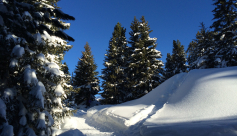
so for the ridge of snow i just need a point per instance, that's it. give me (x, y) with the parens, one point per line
(201, 102)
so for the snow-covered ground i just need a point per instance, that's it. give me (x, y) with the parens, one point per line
(76, 125)
(198, 103)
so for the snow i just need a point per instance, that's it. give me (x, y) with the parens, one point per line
(107, 64)
(138, 33)
(30, 76)
(152, 39)
(2, 109)
(53, 68)
(30, 132)
(41, 87)
(37, 92)
(23, 120)
(18, 51)
(53, 65)
(38, 38)
(234, 50)
(7, 130)
(58, 90)
(201, 102)
(50, 118)
(26, 16)
(218, 60)
(41, 121)
(201, 60)
(30, 51)
(53, 39)
(41, 57)
(23, 110)
(47, 5)
(9, 93)
(13, 63)
(57, 101)
(77, 126)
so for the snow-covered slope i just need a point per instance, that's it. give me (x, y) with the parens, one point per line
(201, 102)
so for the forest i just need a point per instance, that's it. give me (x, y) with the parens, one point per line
(37, 90)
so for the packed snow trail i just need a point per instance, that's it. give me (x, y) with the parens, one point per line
(76, 126)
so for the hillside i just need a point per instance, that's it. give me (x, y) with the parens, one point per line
(201, 103)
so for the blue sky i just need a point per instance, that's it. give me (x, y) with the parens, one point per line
(169, 19)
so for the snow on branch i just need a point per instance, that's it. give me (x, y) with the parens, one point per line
(17, 51)
(30, 76)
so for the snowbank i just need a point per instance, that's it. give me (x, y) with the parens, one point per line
(201, 102)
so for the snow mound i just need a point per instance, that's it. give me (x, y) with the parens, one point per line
(200, 103)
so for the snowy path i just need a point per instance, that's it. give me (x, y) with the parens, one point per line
(198, 103)
(76, 126)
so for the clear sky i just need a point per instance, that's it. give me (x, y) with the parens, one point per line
(169, 19)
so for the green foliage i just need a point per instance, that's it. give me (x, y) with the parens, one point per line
(31, 71)
(169, 67)
(175, 63)
(86, 77)
(202, 50)
(225, 28)
(144, 73)
(114, 73)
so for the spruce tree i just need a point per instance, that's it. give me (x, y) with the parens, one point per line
(86, 77)
(201, 50)
(31, 86)
(144, 64)
(169, 66)
(225, 28)
(178, 58)
(175, 63)
(114, 73)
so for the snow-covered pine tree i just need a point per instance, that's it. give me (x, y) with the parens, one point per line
(201, 50)
(31, 88)
(169, 67)
(225, 27)
(178, 58)
(86, 77)
(114, 73)
(144, 64)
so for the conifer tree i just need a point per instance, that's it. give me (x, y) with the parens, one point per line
(201, 50)
(31, 89)
(144, 64)
(114, 73)
(86, 77)
(169, 66)
(225, 29)
(178, 58)
(175, 63)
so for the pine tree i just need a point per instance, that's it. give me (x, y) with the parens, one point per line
(225, 28)
(178, 58)
(201, 50)
(86, 78)
(32, 86)
(169, 66)
(144, 67)
(114, 73)
(175, 63)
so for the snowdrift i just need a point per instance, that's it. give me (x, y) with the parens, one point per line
(201, 103)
